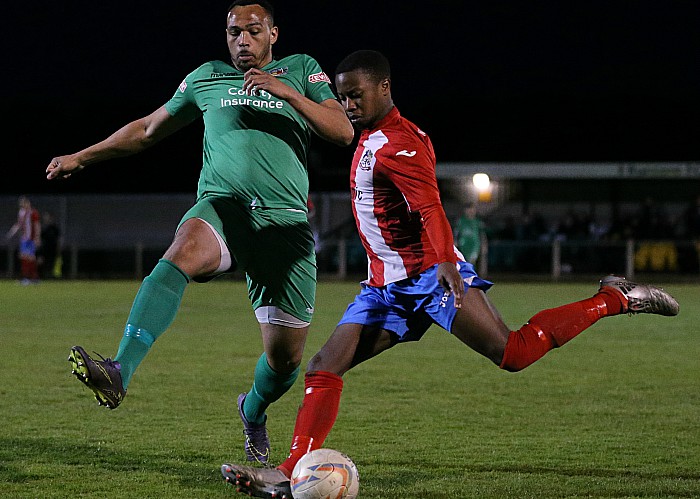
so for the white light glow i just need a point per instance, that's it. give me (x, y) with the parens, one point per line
(481, 181)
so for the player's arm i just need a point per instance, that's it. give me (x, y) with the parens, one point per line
(440, 234)
(130, 139)
(415, 178)
(13, 230)
(327, 119)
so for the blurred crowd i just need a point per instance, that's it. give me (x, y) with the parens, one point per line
(664, 240)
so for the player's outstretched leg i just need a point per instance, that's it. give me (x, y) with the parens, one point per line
(103, 377)
(257, 443)
(640, 298)
(270, 483)
(552, 328)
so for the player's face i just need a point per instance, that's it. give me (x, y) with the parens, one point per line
(250, 36)
(365, 101)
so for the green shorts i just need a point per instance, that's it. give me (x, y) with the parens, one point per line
(274, 247)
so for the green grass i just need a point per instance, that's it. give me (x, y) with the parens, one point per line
(615, 413)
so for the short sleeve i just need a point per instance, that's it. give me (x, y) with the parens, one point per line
(182, 103)
(317, 84)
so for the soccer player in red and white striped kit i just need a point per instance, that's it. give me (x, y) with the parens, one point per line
(416, 275)
(28, 225)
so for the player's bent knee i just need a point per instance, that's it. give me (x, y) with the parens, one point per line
(285, 365)
(321, 363)
(315, 363)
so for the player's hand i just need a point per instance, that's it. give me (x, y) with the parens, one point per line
(449, 278)
(63, 167)
(255, 81)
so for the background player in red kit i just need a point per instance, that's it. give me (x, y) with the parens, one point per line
(28, 225)
(417, 277)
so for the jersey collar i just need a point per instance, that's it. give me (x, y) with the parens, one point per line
(391, 117)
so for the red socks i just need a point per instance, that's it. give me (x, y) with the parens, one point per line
(553, 327)
(29, 269)
(316, 415)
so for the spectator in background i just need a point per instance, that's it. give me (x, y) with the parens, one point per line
(534, 228)
(573, 226)
(469, 233)
(50, 249)
(28, 226)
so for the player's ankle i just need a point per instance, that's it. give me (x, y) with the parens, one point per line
(284, 470)
(614, 300)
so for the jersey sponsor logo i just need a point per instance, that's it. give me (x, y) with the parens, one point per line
(406, 153)
(319, 77)
(183, 86)
(279, 71)
(240, 97)
(366, 160)
(249, 92)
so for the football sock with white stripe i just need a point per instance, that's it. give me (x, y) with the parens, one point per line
(152, 312)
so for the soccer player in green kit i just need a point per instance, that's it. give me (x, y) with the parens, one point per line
(250, 211)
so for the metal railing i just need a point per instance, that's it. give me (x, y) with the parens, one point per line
(344, 256)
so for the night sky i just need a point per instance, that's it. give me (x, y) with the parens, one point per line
(487, 80)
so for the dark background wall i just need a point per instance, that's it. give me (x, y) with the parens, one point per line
(489, 81)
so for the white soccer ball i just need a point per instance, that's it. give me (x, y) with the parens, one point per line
(325, 474)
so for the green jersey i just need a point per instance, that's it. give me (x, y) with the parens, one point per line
(255, 146)
(468, 237)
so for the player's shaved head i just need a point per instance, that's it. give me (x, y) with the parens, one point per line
(369, 61)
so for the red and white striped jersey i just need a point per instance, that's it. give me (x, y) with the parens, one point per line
(28, 220)
(396, 202)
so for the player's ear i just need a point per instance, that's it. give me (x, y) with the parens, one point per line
(385, 86)
(274, 32)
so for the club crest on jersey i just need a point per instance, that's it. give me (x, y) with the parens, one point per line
(183, 86)
(366, 160)
(318, 77)
(279, 71)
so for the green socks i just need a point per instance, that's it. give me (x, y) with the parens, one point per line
(268, 386)
(152, 312)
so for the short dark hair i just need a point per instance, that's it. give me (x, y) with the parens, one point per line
(267, 6)
(370, 61)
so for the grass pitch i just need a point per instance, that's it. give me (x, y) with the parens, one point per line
(614, 413)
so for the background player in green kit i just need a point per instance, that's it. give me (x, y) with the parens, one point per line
(250, 211)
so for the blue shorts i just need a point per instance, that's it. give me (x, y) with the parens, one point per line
(27, 248)
(409, 307)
